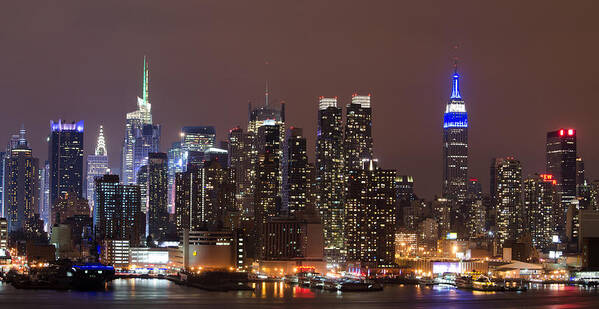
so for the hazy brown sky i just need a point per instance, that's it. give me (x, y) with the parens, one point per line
(527, 67)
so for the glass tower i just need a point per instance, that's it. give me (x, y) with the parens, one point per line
(141, 136)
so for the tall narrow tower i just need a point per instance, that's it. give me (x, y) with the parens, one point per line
(141, 136)
(330, 175)
(97, 166)
(455, 145)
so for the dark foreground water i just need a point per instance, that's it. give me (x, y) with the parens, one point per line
(154, 293)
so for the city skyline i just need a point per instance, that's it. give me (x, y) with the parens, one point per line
(409, 92)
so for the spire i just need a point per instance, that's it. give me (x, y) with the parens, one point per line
(455, 91)
(101, 145)
(145, 83)
(266, 93)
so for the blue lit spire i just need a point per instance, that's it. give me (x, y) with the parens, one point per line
(455, 92)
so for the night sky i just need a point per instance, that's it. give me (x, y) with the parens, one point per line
(527, 67)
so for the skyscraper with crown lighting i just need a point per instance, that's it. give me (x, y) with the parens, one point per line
(141, 136)
(97, 166)
(455, 145)
(65, 155)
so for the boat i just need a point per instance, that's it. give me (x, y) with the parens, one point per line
(359, 286)
(483, 283)
(426, 281)
(464, 282)
(65, 275)
(90, 276)
(446, 279)
(291, 279)
(317, 282)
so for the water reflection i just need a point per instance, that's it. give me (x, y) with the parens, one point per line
(164, 294)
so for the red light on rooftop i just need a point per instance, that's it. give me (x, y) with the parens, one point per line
(561, 132)
(570, 132)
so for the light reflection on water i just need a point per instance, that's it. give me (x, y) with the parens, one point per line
(164, 294)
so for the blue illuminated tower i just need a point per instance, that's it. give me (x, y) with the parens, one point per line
(455, 145)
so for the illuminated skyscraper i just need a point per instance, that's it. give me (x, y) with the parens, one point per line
(561, 163)
(197, 139)
(141, 136)
(97, 166)
(358, 132)
(175, 165)
(455, 145)
(295, 172)
(267, 200)
(330, 175)
(510, 211)
(540, 202)
(20, 197)
(157, 195)
(117, 214)
(241, 169)
(370, 207)
(65, 155)
(45, 208)
(203, 195)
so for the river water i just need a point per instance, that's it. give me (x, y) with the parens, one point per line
(155, 293)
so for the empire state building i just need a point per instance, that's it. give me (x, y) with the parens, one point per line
(455, 145)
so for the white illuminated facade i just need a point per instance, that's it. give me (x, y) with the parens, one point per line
(324, 103)
(362, 100)
(97, 166)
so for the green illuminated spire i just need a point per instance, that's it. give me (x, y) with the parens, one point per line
(146, 84)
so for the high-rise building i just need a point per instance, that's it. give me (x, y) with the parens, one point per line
(330, 177)
(45, 209)
(267, 114)
(258, 117)
(370, 215)
(141, 136)
(2, 158)
(241, 169)
(203, 196)
(561, 163)
(294, 237)
(197, 139)
(295, 172)
(455, 145)
(510, 211)
(157, 195)
(175, 165)
(358, 131)
(65, 155)
(540, 201)
(20, 196)
(117, 215)
(267, 201)
(97, 166)
(142, 182)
